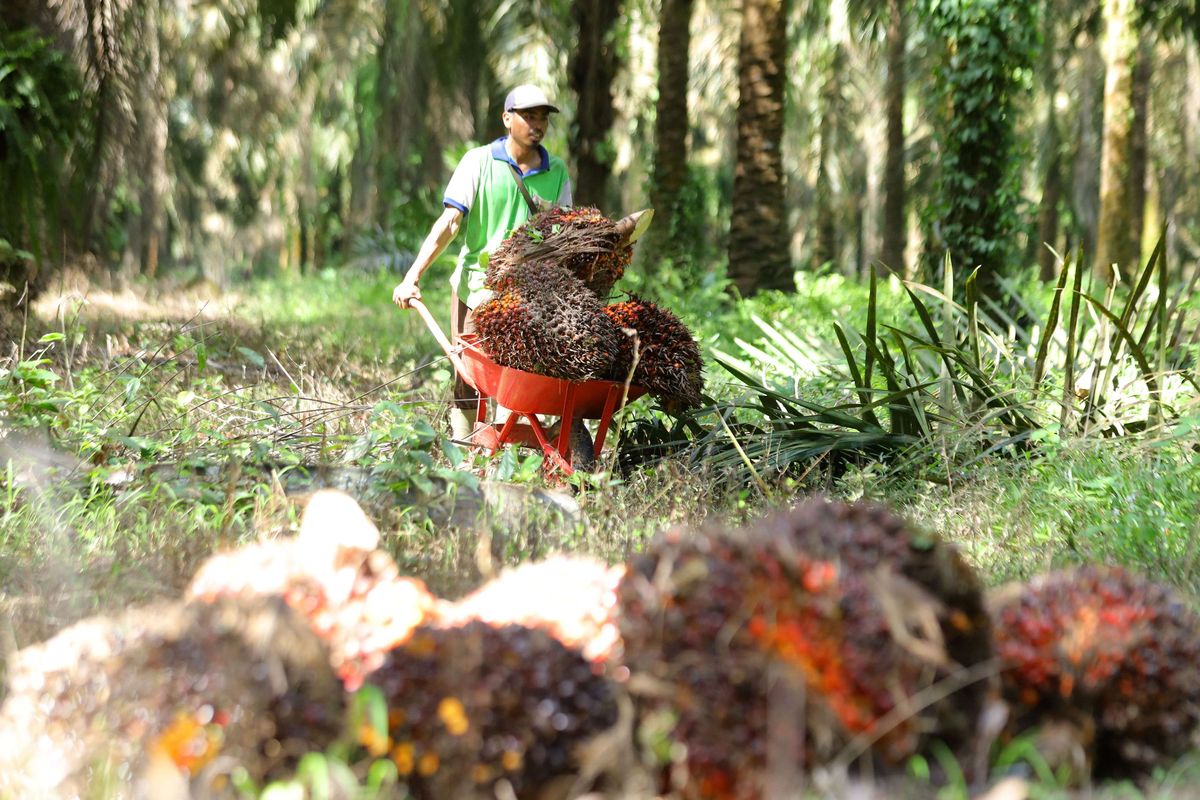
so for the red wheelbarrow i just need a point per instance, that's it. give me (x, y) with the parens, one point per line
(527, 395)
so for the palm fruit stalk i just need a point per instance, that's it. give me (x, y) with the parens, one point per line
(471, 706)
(669, 363)
(766, 654)
(1111, 653)
(580, 240)
(544, 320)
(173, 695)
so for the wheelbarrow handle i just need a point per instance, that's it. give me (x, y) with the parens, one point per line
(453, 354)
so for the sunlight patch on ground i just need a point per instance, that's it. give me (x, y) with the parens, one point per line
(135, 304)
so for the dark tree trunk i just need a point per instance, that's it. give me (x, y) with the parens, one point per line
(403, 91)
(895, 231)
(828, 245)
(593, 67)
(1052, 179)
(759, 255)
(670, 126)
(1139, 143)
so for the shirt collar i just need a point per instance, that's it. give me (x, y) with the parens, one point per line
(500, 153)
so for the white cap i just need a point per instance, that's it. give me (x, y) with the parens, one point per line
(527, 96)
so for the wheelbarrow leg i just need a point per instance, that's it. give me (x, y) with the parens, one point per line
(565, 425)
(551, 451)
(610, 405)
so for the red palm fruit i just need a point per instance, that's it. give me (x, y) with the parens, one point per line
(1109, 653)
(547, 323)
(471, 706)
(768, 652)
(669, 362)
(174, 693)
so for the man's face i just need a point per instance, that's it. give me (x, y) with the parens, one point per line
(528, 125)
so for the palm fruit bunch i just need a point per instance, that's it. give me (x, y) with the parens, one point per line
(472, 706)
(544, 320)
(569, 597)
(738, 628)
(768, 653)
(350, 592)
(1112, 654)
(580, 240)
(868, 538)
(167, 700)
(669, 363)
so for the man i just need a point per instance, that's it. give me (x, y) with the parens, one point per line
(485, 193)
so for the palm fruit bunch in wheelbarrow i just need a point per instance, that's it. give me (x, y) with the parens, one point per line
(471, 707)
(350, 592)
(668, 361)
(544, 320)
(165, 701)
(550, 279)
(580, 240)
(771, 657)
(1108, 656)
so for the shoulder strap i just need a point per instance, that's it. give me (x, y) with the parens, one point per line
(534, 206)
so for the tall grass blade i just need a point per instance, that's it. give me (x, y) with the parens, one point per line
(868, 368)
(1069, 357)
(935, 340)
(971, 293)
(918, 418)
(864, 390)
(949, 332)
(1039, 362)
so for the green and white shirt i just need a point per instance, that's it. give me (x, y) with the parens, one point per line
(484, 188)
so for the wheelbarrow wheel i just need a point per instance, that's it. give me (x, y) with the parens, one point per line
(583, 451)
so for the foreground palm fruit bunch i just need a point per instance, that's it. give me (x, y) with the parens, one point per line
(774, 657)
(580, 240)
(869, 539)
(669, 363)
(1112, 654)
(544, 320)
(167, 700)
(351, 593)
(471, 706)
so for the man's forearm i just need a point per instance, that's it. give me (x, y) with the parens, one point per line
(434, 245)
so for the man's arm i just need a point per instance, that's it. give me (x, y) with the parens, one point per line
(440, 235)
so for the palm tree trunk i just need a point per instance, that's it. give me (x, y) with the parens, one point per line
(828, 245)
(670, 126)
(154, 130)
(1048, 216)
(1139, 143)
(894, 229)
(759, 256)
(593, 67)
(1115, 203)
(403, 91)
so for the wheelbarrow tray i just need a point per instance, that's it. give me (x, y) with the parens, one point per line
(530, 393)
